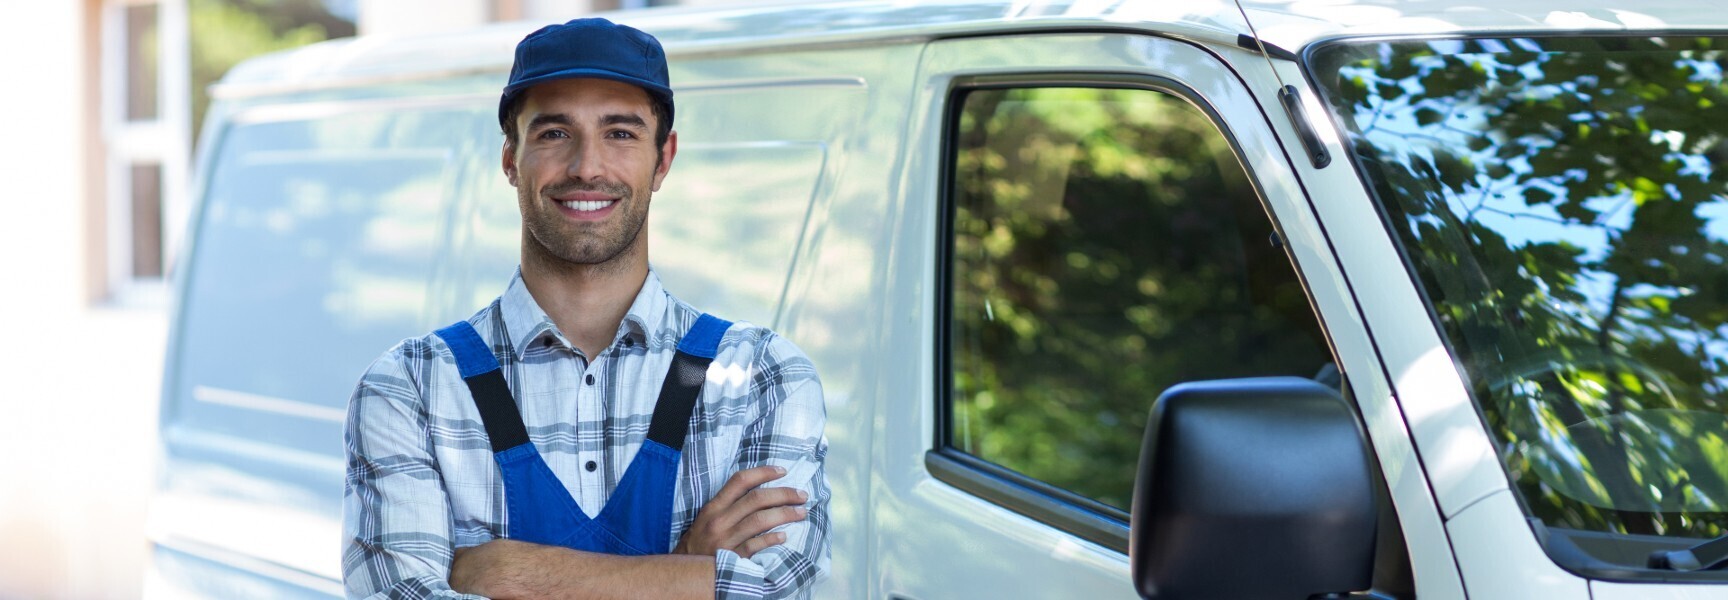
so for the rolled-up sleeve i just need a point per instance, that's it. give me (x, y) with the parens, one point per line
(395, 513)
(788, 434)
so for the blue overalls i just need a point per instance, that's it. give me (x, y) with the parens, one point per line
(637, 519)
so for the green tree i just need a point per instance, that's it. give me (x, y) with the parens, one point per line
(225, 32)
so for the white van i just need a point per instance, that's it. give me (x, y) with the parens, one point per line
(1446, 317)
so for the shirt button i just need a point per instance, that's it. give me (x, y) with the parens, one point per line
(591, 466)
(590, 382)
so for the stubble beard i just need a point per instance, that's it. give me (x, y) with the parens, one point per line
(581, 245)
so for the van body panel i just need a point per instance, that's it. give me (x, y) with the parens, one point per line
(186, 570)
(218, 496)
(301, 537)
(732, 214)
(701, 212)
(1497, 565)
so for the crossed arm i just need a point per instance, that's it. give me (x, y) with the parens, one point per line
(737, 519)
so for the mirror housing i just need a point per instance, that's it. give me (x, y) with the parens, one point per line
(1252, 488)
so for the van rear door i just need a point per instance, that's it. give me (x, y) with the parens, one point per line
(317, 236)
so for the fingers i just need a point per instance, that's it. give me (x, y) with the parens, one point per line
(756, 523)
(763, 498)
(743, 520)
(761, 521)
(759, 543)
(742, 512)
(744, 481)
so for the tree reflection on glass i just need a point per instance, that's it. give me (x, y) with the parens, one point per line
(1106, 245)
(1563, 205)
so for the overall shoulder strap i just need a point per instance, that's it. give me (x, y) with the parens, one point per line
(479, 368)
(683, 385)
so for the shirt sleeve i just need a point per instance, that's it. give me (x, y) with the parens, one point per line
(788, 434)
(396, 526)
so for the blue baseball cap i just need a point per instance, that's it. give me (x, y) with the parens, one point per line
(591, 47)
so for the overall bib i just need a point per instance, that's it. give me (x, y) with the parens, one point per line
(637, 519)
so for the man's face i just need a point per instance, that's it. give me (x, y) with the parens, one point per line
(584, 166)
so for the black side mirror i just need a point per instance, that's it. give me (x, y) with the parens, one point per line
(1252, 488)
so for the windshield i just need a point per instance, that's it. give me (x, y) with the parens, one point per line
(1564, 204)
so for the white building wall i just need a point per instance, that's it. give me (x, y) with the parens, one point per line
(43, 157)
(80, 412)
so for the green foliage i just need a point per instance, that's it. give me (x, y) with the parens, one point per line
(1564, 203)
(225, 32)
(1106, 246)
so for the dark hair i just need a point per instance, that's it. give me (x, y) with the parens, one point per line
(661, 107)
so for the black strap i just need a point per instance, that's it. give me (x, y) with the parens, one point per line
(497, 410)
(479, 367)
(678, 399)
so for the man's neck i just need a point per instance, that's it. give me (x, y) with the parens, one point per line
(586, 302)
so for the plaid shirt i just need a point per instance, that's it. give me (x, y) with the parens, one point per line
(421, 479)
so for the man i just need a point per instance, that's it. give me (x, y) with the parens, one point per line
(562, 440)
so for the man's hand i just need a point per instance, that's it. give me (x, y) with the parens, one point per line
(741, 512)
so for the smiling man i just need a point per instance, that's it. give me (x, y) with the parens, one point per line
(568, 440)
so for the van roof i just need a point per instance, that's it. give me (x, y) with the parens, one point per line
(688, 31)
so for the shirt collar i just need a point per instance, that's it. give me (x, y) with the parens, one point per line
(526, 323)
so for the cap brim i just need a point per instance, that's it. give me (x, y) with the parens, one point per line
(510, 91)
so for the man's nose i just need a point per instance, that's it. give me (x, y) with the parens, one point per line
(586, 162)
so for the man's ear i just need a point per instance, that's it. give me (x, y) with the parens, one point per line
(667, 152)
(508, 155)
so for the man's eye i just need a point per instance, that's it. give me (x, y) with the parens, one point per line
(619, 134)
(552, 134)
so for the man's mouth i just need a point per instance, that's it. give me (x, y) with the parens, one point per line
(585, 205)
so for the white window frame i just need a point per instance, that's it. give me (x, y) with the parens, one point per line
(164, 140)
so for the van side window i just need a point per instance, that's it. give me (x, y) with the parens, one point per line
(1106, 244)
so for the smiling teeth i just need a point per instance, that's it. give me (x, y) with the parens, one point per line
(585, 206)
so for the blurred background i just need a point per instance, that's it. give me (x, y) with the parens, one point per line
(99, 122)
